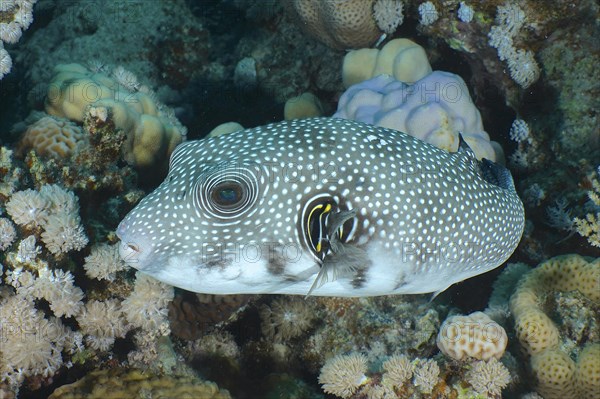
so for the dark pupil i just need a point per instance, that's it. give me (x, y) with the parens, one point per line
(227, 194)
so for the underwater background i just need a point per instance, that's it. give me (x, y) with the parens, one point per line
(95, 95)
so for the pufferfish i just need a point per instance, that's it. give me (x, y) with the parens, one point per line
(323, 206)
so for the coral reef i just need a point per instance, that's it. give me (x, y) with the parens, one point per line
(71, 311)
(286, 319)
(488, 378)
(306, 105)
(53, 209)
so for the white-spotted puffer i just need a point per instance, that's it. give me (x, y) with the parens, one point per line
(323, 206)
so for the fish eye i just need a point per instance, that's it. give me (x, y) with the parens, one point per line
(227, 195)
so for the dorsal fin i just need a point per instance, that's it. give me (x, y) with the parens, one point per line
(463, 147)
(496, 174)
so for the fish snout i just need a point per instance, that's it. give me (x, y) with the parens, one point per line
(134, 249)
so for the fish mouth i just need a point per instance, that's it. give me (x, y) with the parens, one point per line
(134, 249)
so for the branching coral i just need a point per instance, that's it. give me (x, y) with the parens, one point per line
(146, 307)
(103, 262)
(56, 211)
(102, 322)
(15, 17)
(426, 375)
(589, 226)
(342, 375)
(524, 70)
(31, 343)
(488, 377)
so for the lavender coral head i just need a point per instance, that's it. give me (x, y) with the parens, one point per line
(324, 206)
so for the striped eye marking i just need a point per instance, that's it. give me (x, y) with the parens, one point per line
(317, 224)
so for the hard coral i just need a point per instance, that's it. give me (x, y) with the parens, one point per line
(53, 137)
(403, 59)
(476, 336)
(555, 371)
(435, 116)
(339, 24)
(152, 130)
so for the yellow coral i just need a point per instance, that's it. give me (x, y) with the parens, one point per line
(589, 226)
(403, 59)
(554, 371)
(535, 331)
(306, 105)
(557, 375)
(126, 384)
(151, 129)
(588, 371)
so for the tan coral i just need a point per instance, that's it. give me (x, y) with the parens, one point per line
(339, 24)
(475, 336)
(53, 137)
